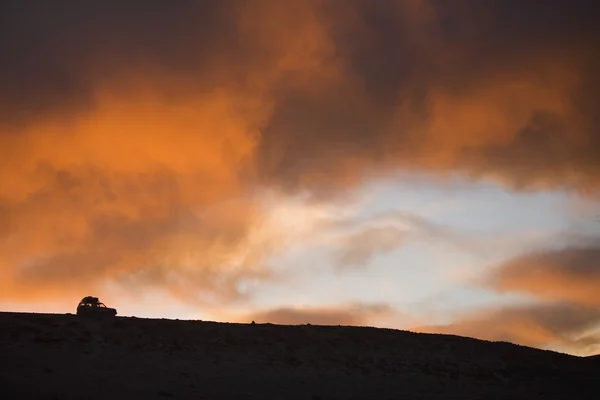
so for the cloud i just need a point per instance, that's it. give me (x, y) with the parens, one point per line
(565, 314)
(560, 326)
(570, 274)
(435, 87)
(135, 138)
(333, 92)
(361, 247)
(128, 158)
(140, 230)
(355, 240)
(352, 315)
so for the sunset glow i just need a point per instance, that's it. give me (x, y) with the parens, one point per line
(422, 165)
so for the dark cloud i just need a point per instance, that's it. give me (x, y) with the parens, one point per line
(56, 53)
(382, 74)
(493, 89)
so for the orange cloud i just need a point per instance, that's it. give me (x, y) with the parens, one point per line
(330, 93)
(124, 186)
(135, 154)
(146, 182)
(557, 326)
(566, 316)
(571, 274)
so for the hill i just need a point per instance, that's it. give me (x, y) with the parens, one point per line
(56, 356)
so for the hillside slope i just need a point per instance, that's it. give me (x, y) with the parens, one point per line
(53, 356)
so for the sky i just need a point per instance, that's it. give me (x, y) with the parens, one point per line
(413, 164)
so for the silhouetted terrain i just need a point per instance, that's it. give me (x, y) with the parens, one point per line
(52, 356)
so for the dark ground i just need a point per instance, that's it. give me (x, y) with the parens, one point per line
(56, 356)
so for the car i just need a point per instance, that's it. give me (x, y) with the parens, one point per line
(90, 306)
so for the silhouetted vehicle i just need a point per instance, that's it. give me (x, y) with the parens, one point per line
(90, 306)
